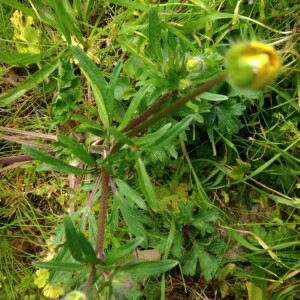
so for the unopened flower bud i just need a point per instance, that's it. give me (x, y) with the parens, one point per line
(184, 84)
(195, 64)
(252, 65)
(122, 282)
(75, 295)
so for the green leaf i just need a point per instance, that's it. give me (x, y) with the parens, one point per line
(146, 185)
(30, 83)
(134, 103)
(111, 89)
(96, 80)
(149, 268)
(88, 125)
(19, 6)
(131, 217)
(190, 262)
(119, 136)
(151, 138)
(213, 97)
(66, 21)
(169, 136)
(21, 59)
(76, 148)
(155, 32)
(129, 4)
(72, 239)
(52, 162)
(241, 240)
(116, 254)
(254, 291)
(205, 220)
(130, 194)
(87, 249)
(59, 266)
(92, 228)
(240, 170)
(208, 263)
(227, 113)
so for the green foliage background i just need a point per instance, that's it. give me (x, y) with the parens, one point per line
(225, 168)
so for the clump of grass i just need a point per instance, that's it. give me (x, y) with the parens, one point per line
(27, 220)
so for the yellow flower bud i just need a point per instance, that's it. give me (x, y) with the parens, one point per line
(75, 295)
(184, 84)
(252, 65)
(195, 64)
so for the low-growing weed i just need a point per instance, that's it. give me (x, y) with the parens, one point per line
(167, 168)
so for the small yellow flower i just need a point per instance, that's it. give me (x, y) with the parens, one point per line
(42, 277)
(252, 65)
(25, 34)
(53, 291)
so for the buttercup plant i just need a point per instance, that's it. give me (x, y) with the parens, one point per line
(242, 59)
(250, 58)
(110, 148)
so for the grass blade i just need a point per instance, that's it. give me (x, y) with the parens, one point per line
(66, 21)
(30, 83)
(19, 6)
(22, 59)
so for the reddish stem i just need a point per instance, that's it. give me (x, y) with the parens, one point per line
(148, 112)
(102, 214)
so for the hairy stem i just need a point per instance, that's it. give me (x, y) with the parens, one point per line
(102, 213)
(177, 104)
(19, 158)
(90, 280)
(148, 112)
